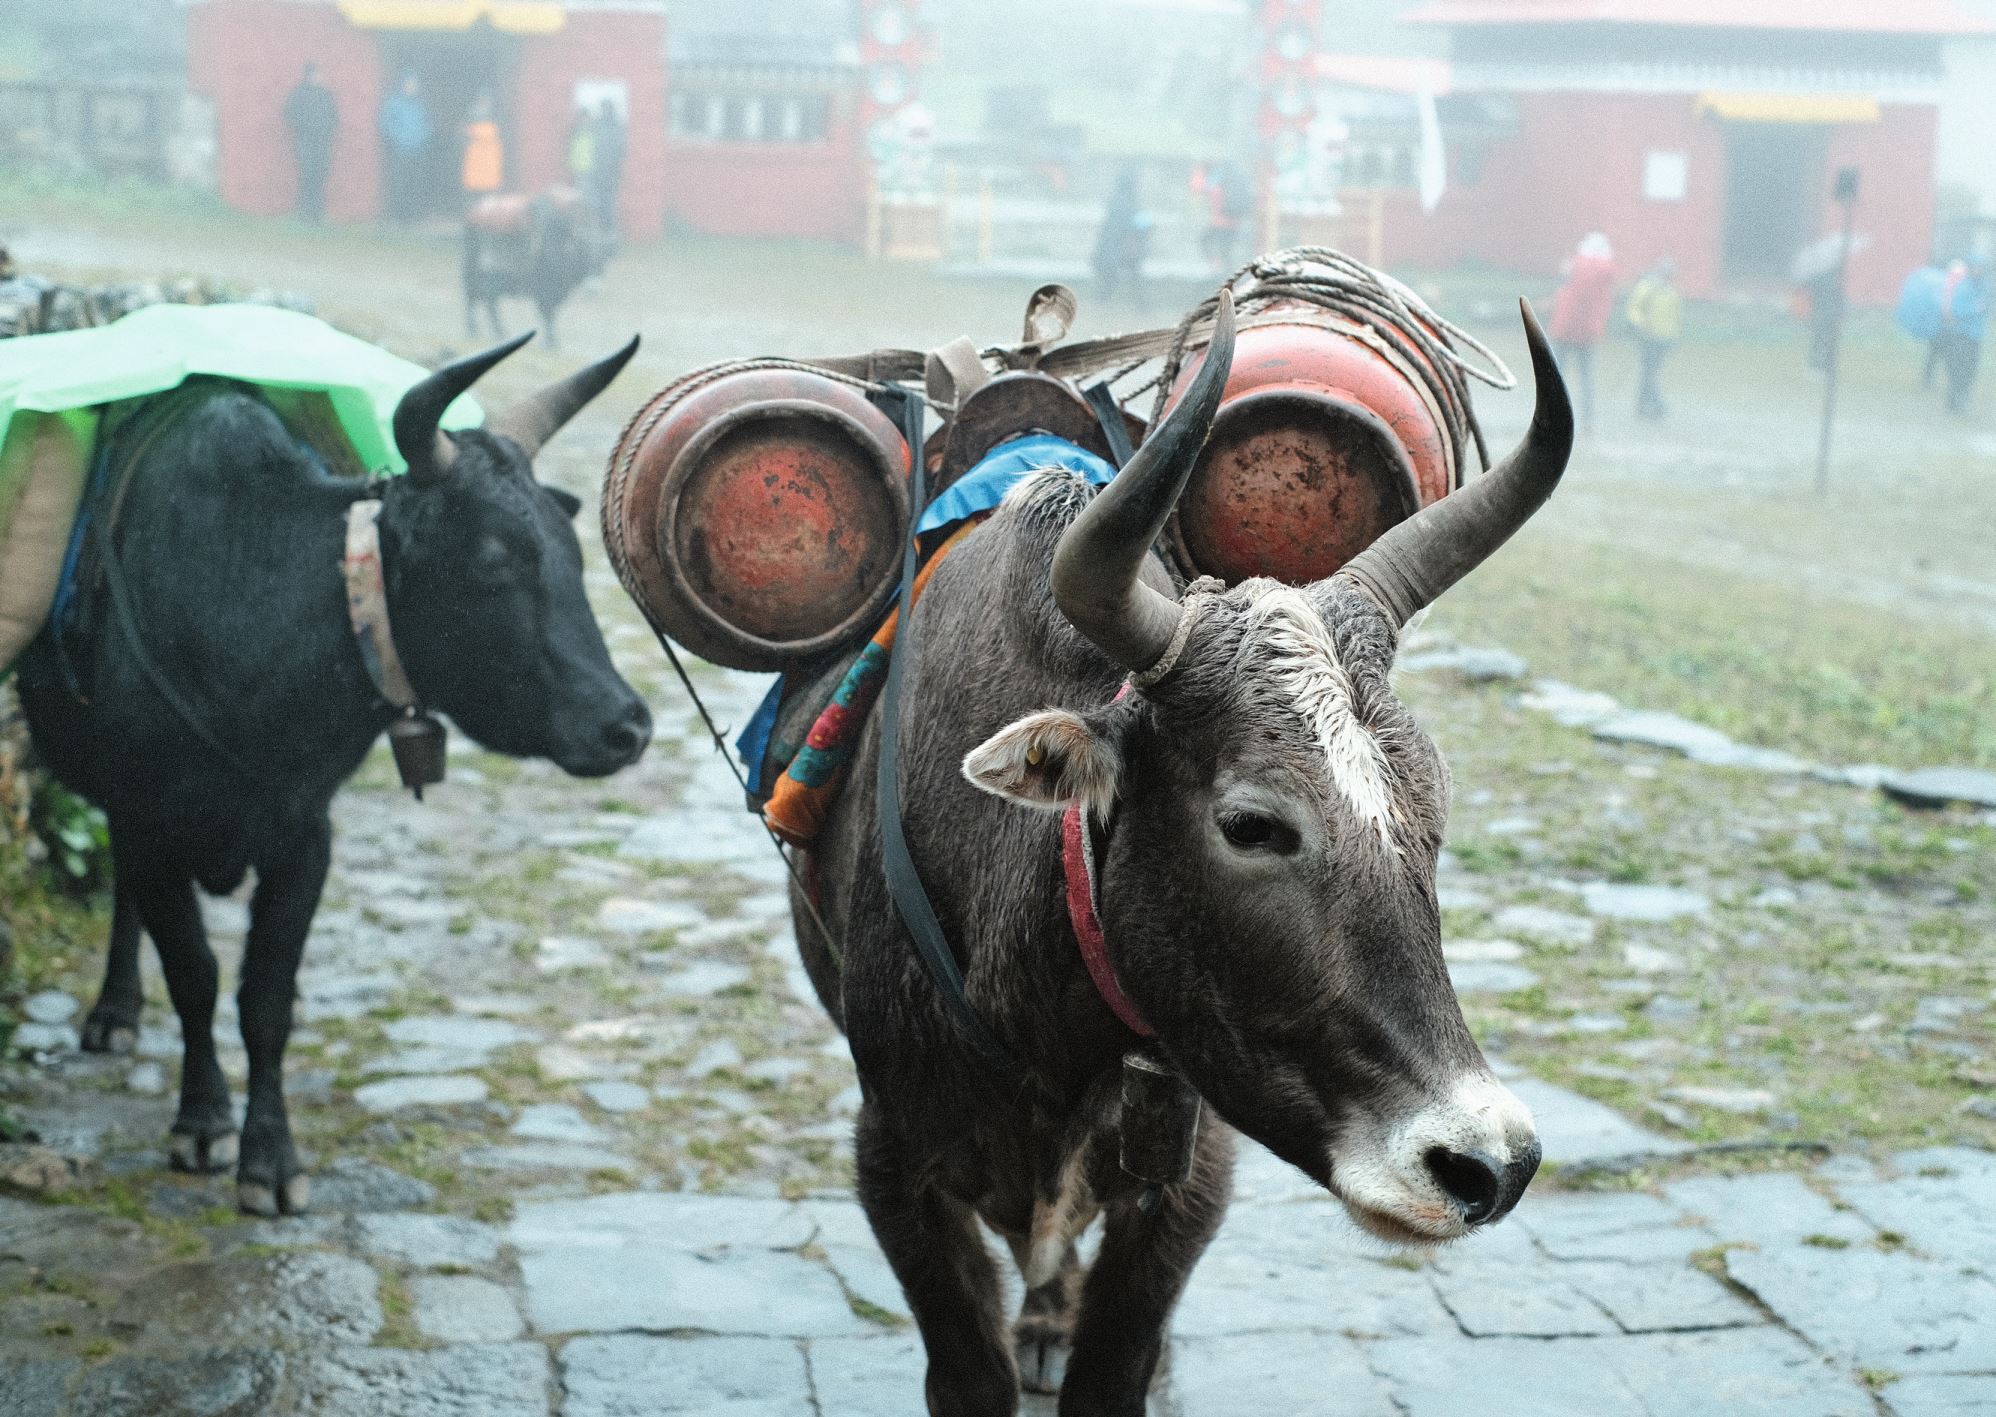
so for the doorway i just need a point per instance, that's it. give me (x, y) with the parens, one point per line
(1774, 195)
(452, 70)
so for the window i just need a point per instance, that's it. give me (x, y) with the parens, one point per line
(1666, 176)
(749, 116)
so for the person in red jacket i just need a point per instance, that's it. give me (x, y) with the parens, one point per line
(1581, 310)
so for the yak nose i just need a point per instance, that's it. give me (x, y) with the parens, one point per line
(625, 737)
(1475, 1181)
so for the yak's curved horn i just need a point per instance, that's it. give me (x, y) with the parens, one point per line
(417, 437)
(537, 419)
(1096, 568)
(1414, 562)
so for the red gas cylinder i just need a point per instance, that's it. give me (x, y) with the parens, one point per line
(1321, 443)
(758, 517)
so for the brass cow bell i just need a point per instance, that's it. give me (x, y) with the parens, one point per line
(419, 745)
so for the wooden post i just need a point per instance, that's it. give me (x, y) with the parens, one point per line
(946, 215)
(1845, 195)
(986, 220)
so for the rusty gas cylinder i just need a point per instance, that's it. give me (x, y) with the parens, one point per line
(1321, 443)
(758, 517)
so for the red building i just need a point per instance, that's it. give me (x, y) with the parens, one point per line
(771, 105)
(536, 59)
(764, 136)
(1706, 130)
(765, 150)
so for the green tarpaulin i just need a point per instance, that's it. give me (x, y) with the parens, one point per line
(154, 349)
(328, 387)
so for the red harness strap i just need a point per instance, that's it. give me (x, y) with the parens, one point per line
(1077, 854)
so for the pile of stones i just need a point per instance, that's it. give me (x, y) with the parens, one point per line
(36, 305)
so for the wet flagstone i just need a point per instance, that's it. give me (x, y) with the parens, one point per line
(426, 1241)
(433, 1090)
(1885, 1310)
(560, 1075)
(634, 1375)
(1584, 1303)
(1309, 1329)
(463, 1308)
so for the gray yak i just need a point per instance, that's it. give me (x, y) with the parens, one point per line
(1267, 817)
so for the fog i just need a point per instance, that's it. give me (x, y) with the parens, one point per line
(1718, 888)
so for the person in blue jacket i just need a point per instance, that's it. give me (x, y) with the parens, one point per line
(405, 142)
(1966, 323)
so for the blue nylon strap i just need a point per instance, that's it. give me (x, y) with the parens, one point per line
(752, 747)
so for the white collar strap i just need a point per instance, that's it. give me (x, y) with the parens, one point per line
(367, 605)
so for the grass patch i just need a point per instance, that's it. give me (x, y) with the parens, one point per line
(874, 1314)
(1771, 664)
(398, 1316)
(1712, 1261)
(493, 1210)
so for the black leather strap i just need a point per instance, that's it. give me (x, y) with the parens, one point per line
(1109, 414)
(904, 882)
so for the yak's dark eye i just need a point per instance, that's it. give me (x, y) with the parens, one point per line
(1248, 829)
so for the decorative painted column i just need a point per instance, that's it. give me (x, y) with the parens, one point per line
(904, 217)
(1295, 144)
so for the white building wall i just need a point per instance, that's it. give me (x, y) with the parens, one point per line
(1968, 118)
(1969, 122)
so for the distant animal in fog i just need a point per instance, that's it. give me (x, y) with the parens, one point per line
(529, 248)
(229, 700)
(1257, 817)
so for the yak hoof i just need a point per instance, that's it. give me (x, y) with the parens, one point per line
(109, 1035)
(1042, 1358)
(293, 1198)
(203, 1153)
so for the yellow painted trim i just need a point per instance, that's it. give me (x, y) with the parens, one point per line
(511, 16)
(1790, 108)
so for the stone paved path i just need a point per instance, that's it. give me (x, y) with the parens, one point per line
(517, 1094)
(582, 1147)
(581, 1136)
(1773, 1293)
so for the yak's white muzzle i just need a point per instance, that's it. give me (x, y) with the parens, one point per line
(1436, 1173)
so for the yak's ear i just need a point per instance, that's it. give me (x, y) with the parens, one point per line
(569, 503)
(1048, 759)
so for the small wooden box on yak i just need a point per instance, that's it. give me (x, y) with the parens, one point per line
(236, 546)
(1173, 636)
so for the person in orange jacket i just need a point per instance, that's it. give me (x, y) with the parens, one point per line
(484, 169)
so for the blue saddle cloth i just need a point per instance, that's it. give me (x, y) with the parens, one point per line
(977, 491)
